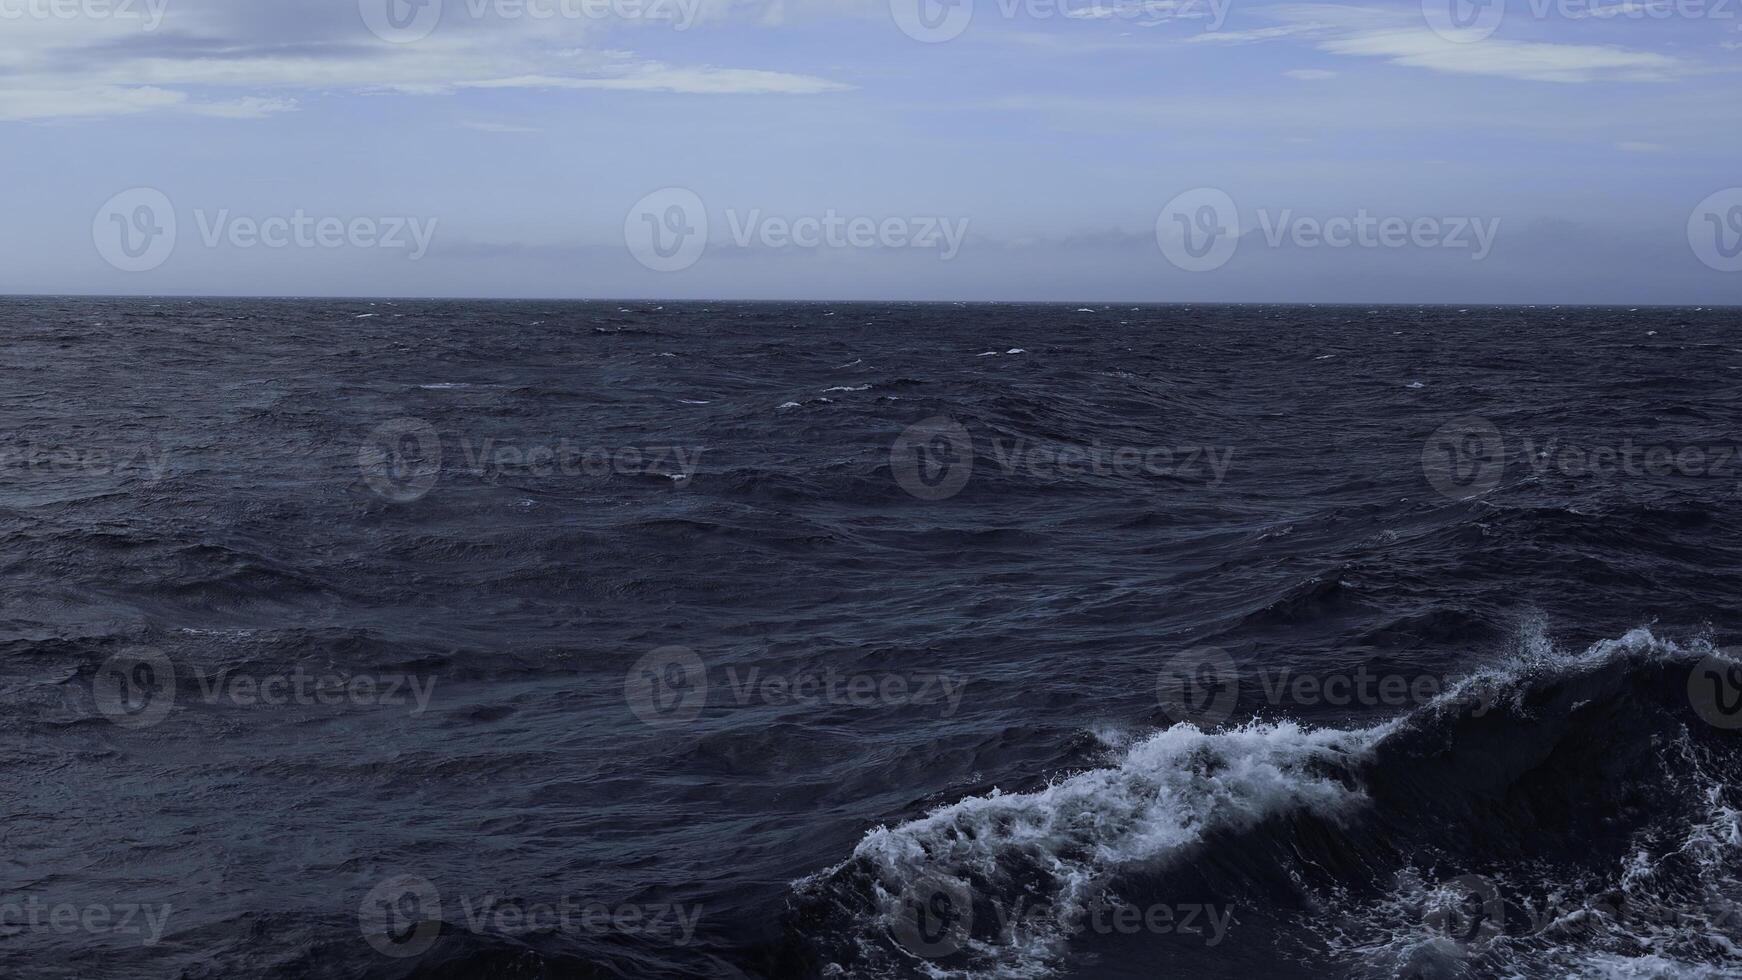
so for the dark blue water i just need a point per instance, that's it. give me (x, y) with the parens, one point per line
(352, 639)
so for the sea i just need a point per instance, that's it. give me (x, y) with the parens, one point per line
(538, 639)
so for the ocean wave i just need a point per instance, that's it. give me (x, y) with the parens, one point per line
(1603, 772)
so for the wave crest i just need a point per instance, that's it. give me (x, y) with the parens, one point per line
(1598, 767)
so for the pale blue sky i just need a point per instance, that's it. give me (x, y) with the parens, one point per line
(1588, 136)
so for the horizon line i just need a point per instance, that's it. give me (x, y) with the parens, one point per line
(872, 302)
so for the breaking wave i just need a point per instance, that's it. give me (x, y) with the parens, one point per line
(1571, 813)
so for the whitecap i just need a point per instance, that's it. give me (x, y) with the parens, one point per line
(1064, 844)
(1165, 793)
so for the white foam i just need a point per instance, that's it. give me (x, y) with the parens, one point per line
(1164, 794)
(1663, 925)
(1059, 847)
(1650, 967)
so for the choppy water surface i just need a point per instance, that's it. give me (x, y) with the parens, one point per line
(350, 639)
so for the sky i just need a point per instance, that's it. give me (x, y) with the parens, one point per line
(1442, 151)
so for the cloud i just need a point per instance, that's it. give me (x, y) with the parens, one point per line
(1259, 34)
(247, 61)
(1406, 40)
(654, 77)
(1142, 13)
(1522, 60)
(104, 101)
(496, 127)
(1624, 9)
